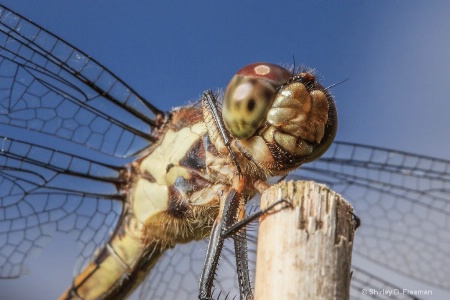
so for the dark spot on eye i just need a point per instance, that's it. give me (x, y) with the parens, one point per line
(251, 104)
(243, 122)
(268, 94)
(253, 81)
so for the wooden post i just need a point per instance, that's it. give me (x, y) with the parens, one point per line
(304, 252)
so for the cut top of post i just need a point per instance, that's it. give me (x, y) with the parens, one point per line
(304, 252)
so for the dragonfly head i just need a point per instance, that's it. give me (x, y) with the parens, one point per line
(249, 96)
(279, 119)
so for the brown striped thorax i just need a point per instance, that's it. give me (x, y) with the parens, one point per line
(279, 119)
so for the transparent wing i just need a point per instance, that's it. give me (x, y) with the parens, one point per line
(43, 190)
(403, 201)
(67, 126)
(50, 87)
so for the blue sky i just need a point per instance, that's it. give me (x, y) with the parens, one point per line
(396, 54)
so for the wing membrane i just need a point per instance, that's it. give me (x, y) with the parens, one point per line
(403, 202)
(43, 190)
(68, 126)
(51, 87)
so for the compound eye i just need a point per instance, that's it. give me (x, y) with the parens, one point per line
(249, 96)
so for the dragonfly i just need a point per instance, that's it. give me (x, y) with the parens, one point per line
(403, 190)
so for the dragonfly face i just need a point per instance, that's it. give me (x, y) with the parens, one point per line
(250, 95)
(279, 119)
(79, 148)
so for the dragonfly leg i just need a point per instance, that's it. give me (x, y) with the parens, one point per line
(231, 230)
(238, 231)
(216, 244)
(240, 248)
(211, 103)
